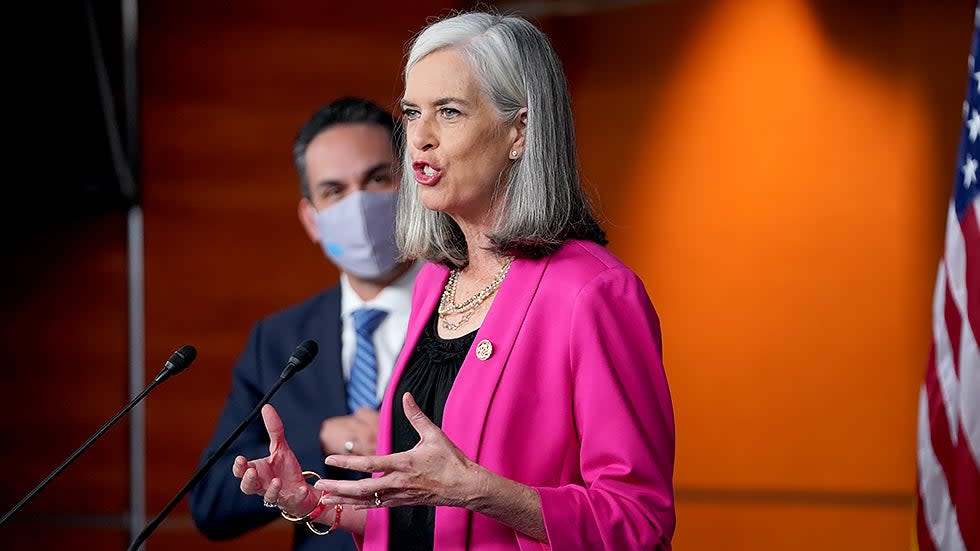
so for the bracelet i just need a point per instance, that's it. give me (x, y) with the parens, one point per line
(338, 508)
(316, 510)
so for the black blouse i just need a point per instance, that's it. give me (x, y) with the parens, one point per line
(429, 376)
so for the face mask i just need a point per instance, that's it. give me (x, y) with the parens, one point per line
(358, 233)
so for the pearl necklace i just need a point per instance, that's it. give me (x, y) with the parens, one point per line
(448, 306)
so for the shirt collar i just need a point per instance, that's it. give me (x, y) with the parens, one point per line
(395, 298)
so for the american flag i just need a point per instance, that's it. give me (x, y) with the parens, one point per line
(948, 516)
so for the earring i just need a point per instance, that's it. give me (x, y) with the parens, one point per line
(513, 154)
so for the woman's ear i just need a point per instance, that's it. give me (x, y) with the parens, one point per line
(520, 131)
(307, 218)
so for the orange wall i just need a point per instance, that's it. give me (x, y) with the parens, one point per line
(777, 172)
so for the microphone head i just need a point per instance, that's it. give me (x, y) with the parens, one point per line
(181, 359)
(303, 355)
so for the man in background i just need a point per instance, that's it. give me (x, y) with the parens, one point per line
(345, 156)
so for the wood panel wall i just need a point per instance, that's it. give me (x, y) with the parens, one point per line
(776, 172)
(224, 93)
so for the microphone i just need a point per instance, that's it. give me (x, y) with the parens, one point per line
(300, 358)
(177, 362)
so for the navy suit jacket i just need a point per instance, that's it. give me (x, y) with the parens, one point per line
(218, 506)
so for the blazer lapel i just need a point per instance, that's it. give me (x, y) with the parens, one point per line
(464, 418)
(428, 289)
(430, 281)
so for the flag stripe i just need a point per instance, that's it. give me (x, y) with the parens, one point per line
(955, 258)
(925, 544)
(971, 243)
(942, 531)
(954, 328)
(948, 516)
(966, 494)
(941, 370)
(941, 440)
(969, 391)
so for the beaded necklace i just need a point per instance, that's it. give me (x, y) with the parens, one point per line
(448, 306)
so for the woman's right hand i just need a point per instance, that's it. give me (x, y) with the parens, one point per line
(278, 478)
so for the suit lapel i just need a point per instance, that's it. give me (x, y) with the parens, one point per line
(327, 332)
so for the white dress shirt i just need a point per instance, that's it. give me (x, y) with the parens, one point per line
(396, 299)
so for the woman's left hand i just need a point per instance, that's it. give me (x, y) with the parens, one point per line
(434, 472)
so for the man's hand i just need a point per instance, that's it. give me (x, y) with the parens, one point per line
(350, 434)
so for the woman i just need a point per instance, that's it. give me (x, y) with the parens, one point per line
(529, 407)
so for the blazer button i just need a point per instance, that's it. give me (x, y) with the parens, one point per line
(484, 350)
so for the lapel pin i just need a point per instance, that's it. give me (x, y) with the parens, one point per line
(484, 350)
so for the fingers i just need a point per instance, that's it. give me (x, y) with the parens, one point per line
(367, 446)
(286, 499)
(333, 434)
(367, 415)
(363, 463)
(273, 426)
(355, 492)
(366, 432)
(368, 493)
(417, 418)
(271, 494)
(358, 429)
(250, 482)
(239, 467)
(274, 492)
(244, 470)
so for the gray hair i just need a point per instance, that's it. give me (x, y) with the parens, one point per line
(542, 203)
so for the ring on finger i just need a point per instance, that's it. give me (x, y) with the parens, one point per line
(377, 500)
(349, 446)
(268, 503)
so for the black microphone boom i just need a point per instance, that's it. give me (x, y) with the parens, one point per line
(301, 358)
(178, 362)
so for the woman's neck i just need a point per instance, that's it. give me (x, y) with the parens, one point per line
(483, 260)
(469, 292)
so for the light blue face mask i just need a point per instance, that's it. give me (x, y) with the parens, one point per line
(358, 233)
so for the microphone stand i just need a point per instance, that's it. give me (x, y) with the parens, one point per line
(177, 362)
(288, 372)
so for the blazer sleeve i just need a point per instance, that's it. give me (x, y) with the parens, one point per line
(624, 420)
(219, 508)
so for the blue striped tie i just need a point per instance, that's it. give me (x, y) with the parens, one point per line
(363, 386)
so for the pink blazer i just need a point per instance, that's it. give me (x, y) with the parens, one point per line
(573, 401)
